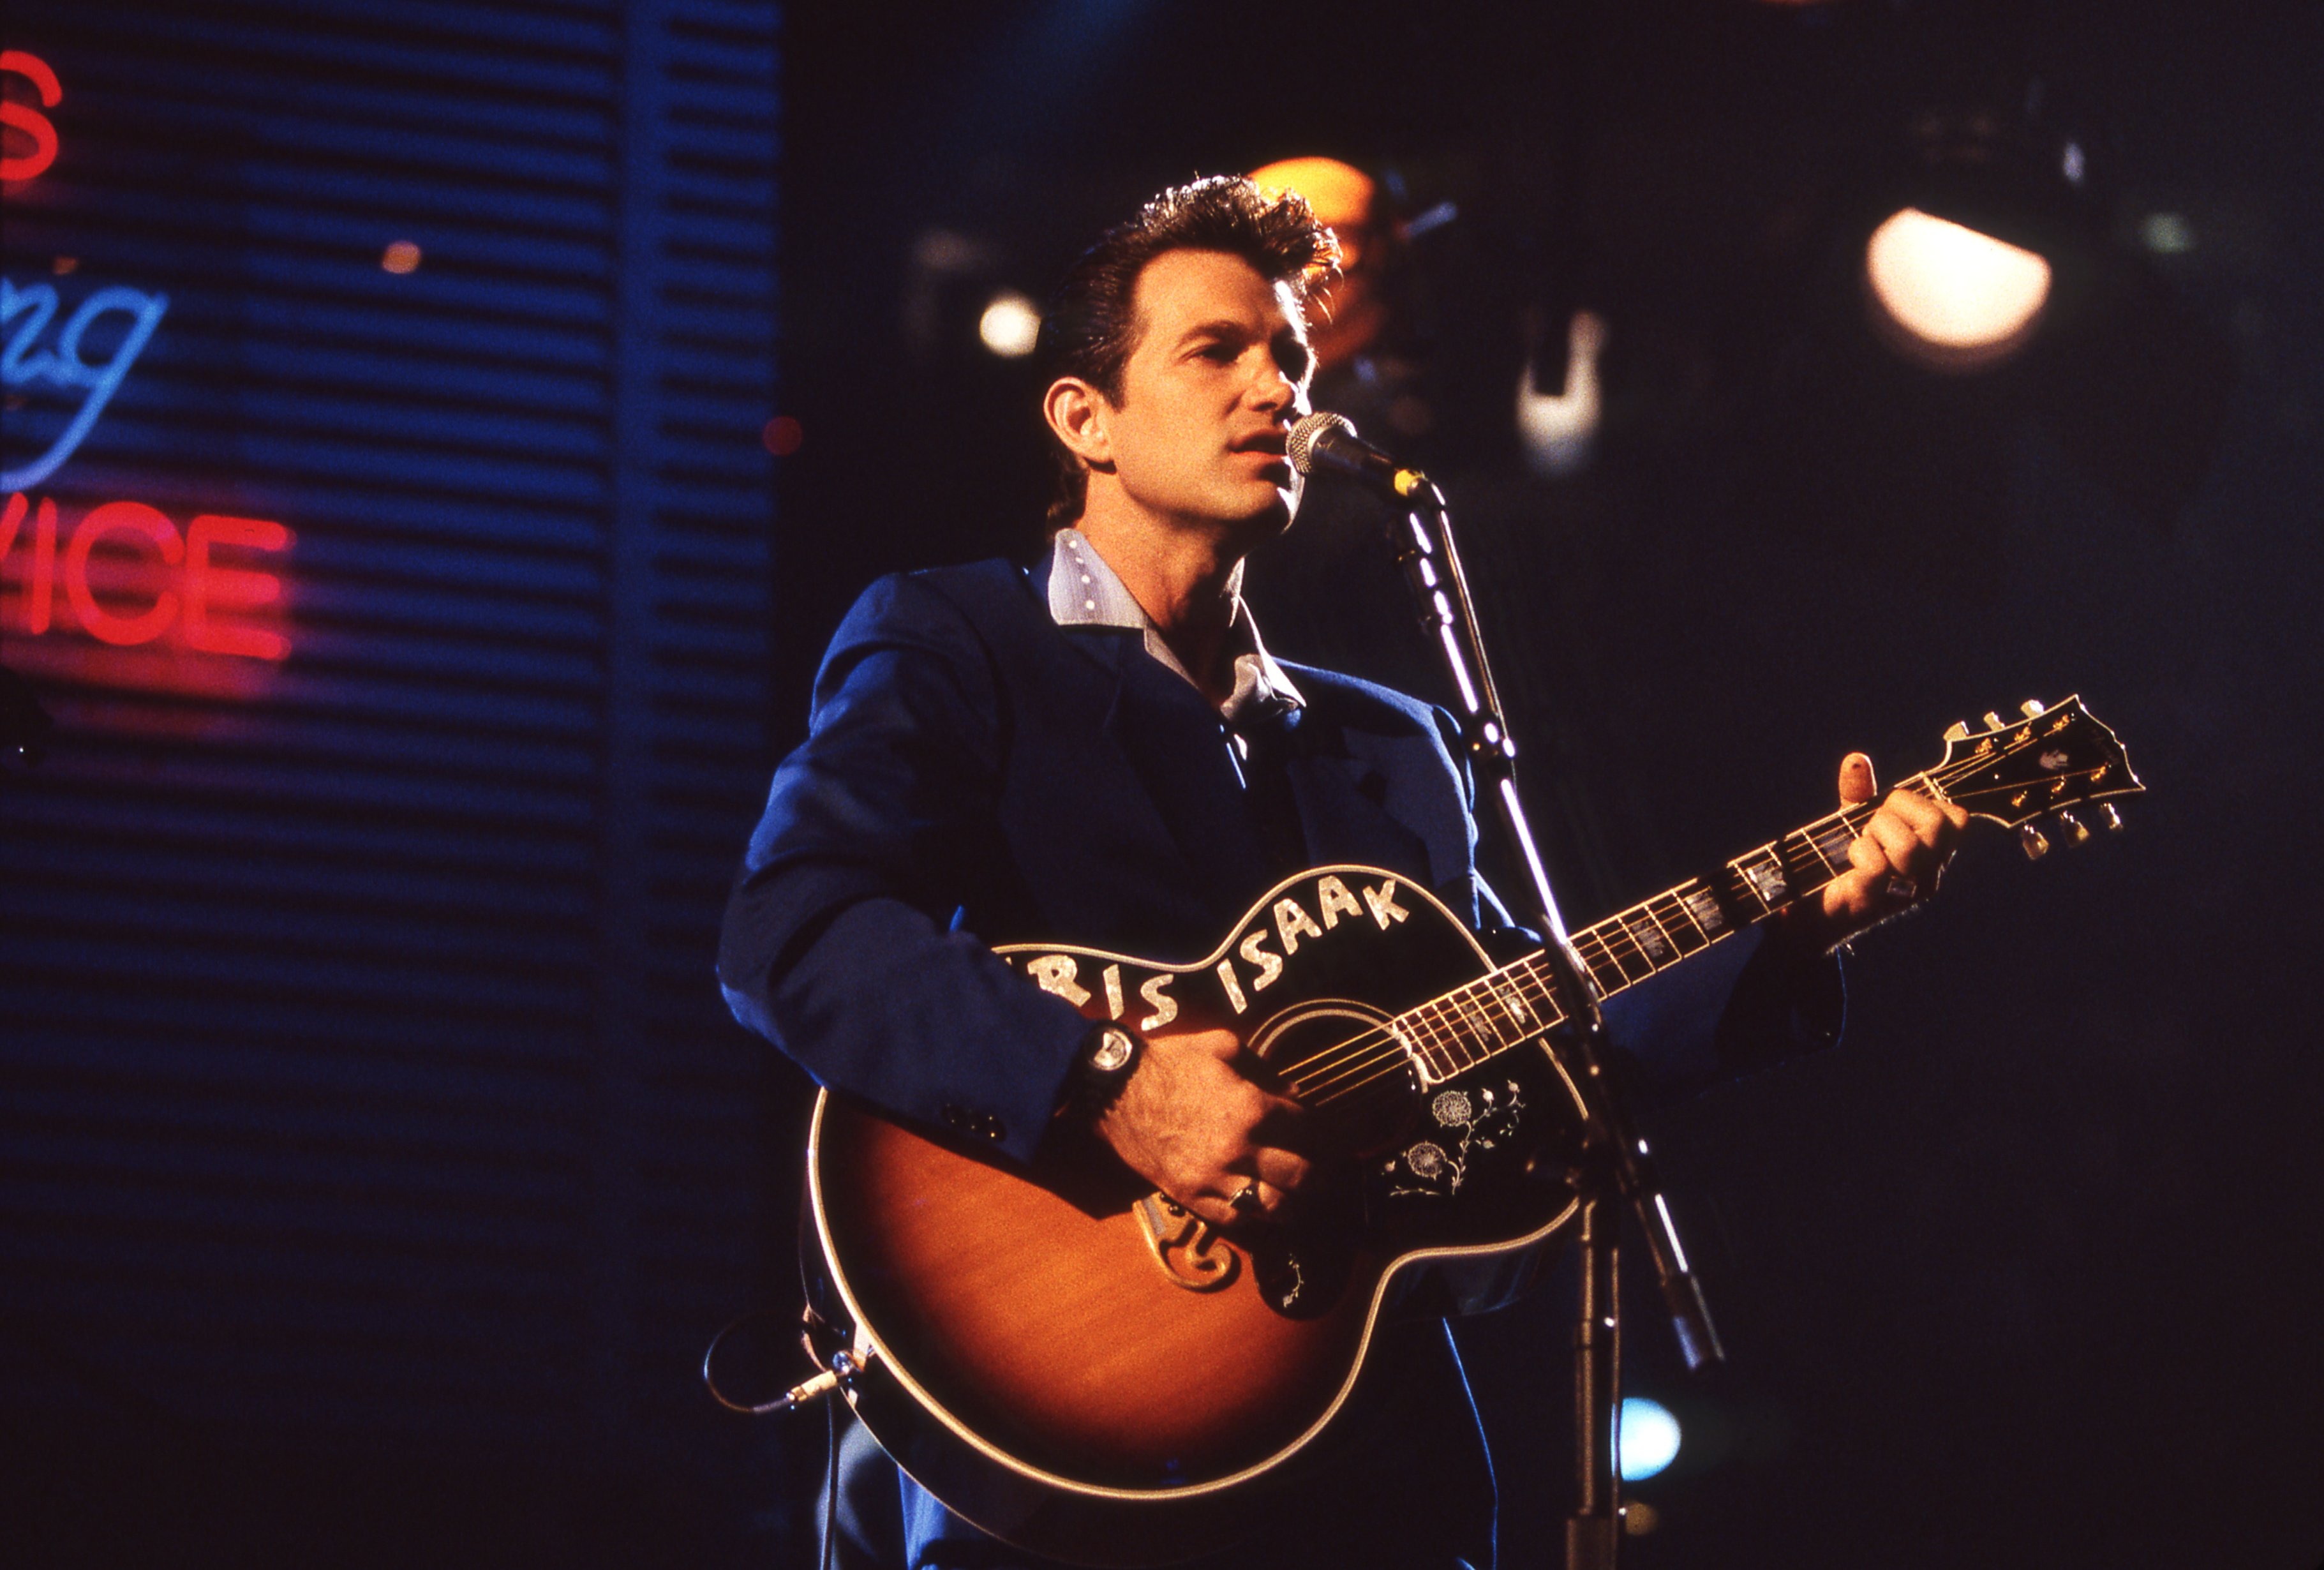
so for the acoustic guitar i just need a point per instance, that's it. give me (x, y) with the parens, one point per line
(1080, 1367)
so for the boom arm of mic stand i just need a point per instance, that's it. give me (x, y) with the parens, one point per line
(1431, 561)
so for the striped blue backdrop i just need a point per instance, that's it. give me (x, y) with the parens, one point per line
(365, 1079)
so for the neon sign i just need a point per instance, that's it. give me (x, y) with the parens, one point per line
(201, 595)
(64, 365)
(27, 119)
(125, 575)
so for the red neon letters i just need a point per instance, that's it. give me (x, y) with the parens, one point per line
(188, 588)
(26, 118)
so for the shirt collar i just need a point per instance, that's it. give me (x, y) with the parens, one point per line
(1084, 592)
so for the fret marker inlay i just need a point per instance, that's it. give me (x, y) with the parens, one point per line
(1648, 937)
(1705, 912)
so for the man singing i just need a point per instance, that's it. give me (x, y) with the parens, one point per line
(1099, 749)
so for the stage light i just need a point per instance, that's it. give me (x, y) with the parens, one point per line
(1649, 1438)
(401, 257)
(1558, 429)
(782, 435)
(1339, 194)
(1346, 312)
(1010, 325)
(2167, 234)
(1952, 297)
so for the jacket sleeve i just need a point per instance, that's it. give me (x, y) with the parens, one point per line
(1739, 1006)
(841, 942)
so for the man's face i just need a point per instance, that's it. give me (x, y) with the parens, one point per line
(1216, 375)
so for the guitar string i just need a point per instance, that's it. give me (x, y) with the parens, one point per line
(1347, 1058)
(1382, 1050)
(1363, 1051)
(1386, 1048)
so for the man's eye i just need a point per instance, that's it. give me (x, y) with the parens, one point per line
(1223, 353)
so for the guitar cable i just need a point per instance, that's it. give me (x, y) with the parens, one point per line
(789, 1401)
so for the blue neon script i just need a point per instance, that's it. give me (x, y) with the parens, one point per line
(23, 365)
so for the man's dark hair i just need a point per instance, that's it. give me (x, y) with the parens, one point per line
(1091, 328)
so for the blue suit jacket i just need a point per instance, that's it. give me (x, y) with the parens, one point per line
(976, 774)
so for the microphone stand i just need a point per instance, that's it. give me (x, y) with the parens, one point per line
(1617, 1164)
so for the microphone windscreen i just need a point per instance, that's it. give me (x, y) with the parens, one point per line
(1300, 445)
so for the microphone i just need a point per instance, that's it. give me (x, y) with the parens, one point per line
(1327, 443)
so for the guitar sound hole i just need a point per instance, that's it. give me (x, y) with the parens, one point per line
(1339, 1057)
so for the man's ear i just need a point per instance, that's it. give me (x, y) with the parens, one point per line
(1076, 411)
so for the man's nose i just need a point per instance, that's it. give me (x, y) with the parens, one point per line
(1273, 387)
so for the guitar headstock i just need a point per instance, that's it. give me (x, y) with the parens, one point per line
(2052, 759)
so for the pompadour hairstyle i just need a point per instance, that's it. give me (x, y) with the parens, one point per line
(1091, 325)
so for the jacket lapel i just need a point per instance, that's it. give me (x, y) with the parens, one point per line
(1171, 740)
(1343, 793)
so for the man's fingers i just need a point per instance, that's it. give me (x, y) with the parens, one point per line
(1898, 842)
(1223, 1044)
(1865, 854)
(1856, 783)
(1897, 857)
(1283, 1170)
(1236, 1200)
(1215, 1208)
(1927, 820)
(1280, 1121)
(1875, 882)
(1261, 1186)
(1255, 1190)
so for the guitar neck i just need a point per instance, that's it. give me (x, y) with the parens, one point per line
(1516, 1004)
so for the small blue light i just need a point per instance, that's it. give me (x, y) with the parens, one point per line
(1649, 1438)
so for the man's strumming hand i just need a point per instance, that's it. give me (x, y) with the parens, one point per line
(1195, 1123)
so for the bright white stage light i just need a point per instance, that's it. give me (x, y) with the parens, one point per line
(1559, 429)
(1010, 325)
(1961, 299)
(1649, 1438)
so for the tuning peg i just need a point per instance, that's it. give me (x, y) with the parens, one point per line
(2073, 825)
(2032, 708)
(1958, 731)
(2032, 840)
(1992, 720)
(2110, 818)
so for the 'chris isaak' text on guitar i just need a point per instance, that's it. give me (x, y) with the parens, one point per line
(1079, 1366)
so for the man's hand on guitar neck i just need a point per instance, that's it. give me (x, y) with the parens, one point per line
(1894, 864)
(1193, 1123)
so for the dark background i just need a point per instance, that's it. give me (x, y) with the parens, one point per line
(2023, 1274)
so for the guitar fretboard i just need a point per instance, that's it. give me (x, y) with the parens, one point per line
(1516, 1004)
(2055, 758)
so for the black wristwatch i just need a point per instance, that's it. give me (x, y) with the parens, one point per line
(1109, 1056)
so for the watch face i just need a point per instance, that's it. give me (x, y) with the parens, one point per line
(1113, 1049)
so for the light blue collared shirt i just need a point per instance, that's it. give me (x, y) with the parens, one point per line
(1084, 592)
